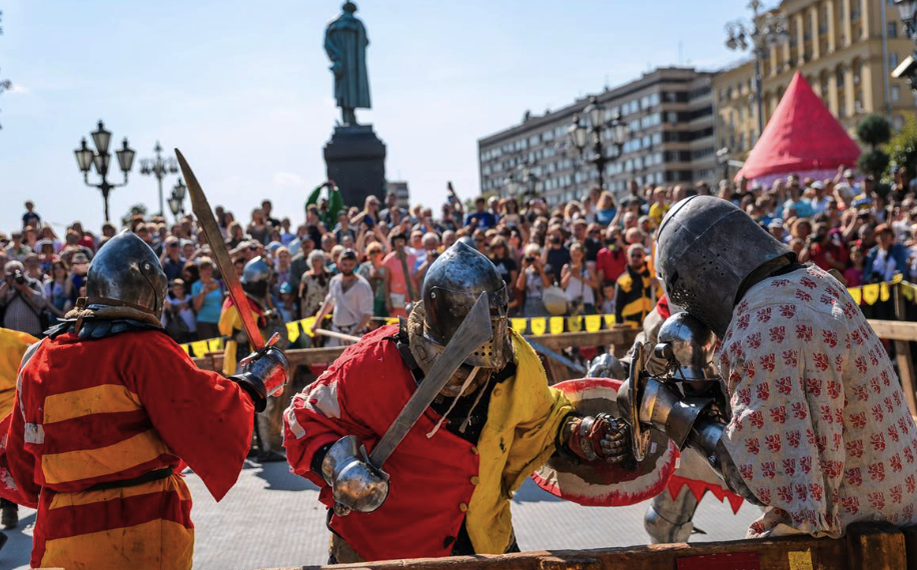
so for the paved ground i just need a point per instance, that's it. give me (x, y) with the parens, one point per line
(272, 518)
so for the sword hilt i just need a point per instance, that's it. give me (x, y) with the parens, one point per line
(270, 342)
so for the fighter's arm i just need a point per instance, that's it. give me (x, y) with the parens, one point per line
(17, 465)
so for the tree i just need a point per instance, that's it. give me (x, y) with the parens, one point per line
(903, 147)
(135, 210)
(875, 131)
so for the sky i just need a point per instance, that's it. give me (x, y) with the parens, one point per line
(244, 90)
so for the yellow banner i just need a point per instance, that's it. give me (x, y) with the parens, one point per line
(392, 321)
(871, 293)
(199, 348)
(856, 294)
(883, 292)
(519, 325)
(215, 344)
(609, 321)
(593, 323)
(575, 323)
(557, 325)
(307, 325)
(293, 331)
(908, 291)
(185, 348)
(538, 325)
(898, 278)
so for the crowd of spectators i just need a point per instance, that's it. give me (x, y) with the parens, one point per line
(586, 256)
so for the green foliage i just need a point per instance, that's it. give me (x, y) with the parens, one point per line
(903, 146)
(874, 162)
(874, 130)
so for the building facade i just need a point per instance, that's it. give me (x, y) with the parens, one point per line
(670, 118)
(400, 189)
(846, 49)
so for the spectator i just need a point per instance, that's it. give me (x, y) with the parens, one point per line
(556, 254)
(391, 206)
(611, 259)
(329, 207)
(853, 275)
(21, 300)
(589, 239)
(282, 268)
(532, 282)
(59, 289)
(606, 210)
(402, 287)
(31, 217)
(17, 249)
(351, 299)
(178, 316)
(430, 242)
(258, 228)
(886, 258)
(207, 300)
(578, 281)
(480, 218)
(172, 262)
(313, 285)
(636, 289)
(376, 274)
(266, 209)
(343, 228)
(286, 306)
(660, 206)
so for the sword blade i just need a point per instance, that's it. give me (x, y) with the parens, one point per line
(208, 223)
(474, 331)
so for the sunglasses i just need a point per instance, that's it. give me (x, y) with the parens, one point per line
(638, 256)
(253, 248)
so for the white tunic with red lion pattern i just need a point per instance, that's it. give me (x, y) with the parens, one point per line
(820, 431)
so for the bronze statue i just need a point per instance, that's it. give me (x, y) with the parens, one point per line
(345, 43)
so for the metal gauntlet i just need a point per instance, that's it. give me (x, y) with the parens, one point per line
(600, 437)
(263, 374)
(355, 483)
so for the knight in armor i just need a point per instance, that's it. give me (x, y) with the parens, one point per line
(451, 478)
(256, 279)
(108, 410)
(816, 429)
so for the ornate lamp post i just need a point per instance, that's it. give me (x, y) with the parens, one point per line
(159, 168)
(100, 158)
(177, 200)
(596, 125)
(907, 10)
(764, 32)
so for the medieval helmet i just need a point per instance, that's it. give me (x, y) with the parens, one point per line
(256, 277)
(126, 272)
(706, 248)
(689, 345)
(451, 286)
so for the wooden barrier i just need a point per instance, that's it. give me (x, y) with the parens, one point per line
(620, 337)
(866, 546)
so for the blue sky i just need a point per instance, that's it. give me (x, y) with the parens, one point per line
(243, 88)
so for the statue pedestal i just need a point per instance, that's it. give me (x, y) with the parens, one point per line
(355, 160)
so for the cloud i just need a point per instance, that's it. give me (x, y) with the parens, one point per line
(288, 180)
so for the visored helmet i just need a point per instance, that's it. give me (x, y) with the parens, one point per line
(256, 277)
(126, 272)
(706, 248)
(451, 286)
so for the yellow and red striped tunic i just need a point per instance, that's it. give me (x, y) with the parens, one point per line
(111, 410)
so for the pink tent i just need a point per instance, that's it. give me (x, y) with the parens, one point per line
(802, 137)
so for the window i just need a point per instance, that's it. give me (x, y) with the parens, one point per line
(893, 30)
(895, 93)
(892, 60)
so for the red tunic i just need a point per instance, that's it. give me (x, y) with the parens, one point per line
(88, 412)
(431, 478)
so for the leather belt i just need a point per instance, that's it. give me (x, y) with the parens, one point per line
(145, 478)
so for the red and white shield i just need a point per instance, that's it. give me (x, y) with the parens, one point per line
(599, 484)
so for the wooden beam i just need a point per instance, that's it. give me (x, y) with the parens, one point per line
(618, 337)
(866, 546)
(894, 330)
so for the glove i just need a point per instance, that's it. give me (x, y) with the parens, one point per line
(264, 374)
(355, 483)
(599, 437)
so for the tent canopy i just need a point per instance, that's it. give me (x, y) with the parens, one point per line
(802, 136)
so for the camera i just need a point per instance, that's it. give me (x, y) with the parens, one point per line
(18, 277)
(529, 259)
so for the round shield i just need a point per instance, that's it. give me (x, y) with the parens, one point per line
(599, 484)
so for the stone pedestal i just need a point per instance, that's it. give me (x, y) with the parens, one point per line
(355, 160)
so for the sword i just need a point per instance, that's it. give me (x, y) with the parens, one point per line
(211, 230)
(474, 331)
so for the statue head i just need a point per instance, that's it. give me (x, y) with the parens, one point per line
(349, 7)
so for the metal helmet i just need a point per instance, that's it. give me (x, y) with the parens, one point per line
(689, 345)
(451, 286)
(706, 248)
(606, 366)
(256, 277)
(126, 272)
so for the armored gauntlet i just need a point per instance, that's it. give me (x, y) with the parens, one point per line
(264, 374)
(355, 483)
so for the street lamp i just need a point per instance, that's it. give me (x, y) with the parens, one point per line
(596, 125)
(159, 168)
(764, 32)
(100, 158)
(177, 200)
(907, 10)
